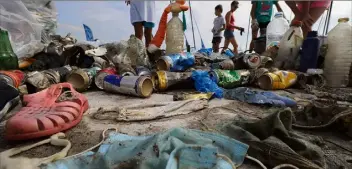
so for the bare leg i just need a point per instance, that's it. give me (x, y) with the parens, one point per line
(315, 13)
(216, 47)
(148, 35)
(226, 45)
(235, 46)
(254, 36)
(138, 30)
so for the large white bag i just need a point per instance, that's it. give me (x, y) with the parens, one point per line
(24, 30)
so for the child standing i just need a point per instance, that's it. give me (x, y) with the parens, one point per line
(219, 26)
(261, 16)
(230, 27)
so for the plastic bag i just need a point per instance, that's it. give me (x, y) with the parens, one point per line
(203, 83)
(45, 13)
(24, 30)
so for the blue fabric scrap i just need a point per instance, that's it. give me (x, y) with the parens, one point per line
(172, 149)
(248, 95)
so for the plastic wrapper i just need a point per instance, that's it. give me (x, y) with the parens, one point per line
(230, 78)
(180, 61)
(203, 83)
(25, 32)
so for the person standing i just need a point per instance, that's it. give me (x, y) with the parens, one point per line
(308, 12)
(219, 26)
(142, 15)
(230, 27)
(261, 13)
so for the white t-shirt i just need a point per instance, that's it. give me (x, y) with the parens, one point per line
(142, 10)
(218, 23)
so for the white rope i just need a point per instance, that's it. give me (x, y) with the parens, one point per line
(97, 145)
(277, 167)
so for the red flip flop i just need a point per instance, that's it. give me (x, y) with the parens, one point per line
(47, 112)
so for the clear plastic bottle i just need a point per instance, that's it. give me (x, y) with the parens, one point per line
(174, 35)
(290, 45)
(338, 59)
(276, 29)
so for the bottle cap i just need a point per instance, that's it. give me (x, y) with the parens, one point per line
(296, 23)
(312, 34)
(279, 14)
(343, 20)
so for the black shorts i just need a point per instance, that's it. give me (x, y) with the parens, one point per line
(216, 40)
(263, 25)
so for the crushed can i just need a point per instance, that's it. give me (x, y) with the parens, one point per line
(143, 71)
(277, 80)
(247, 61)
(81, 79)
(229, 79)
(99, 78)
(14, 78)
(141, 86)
(163, 80)
(226, 65)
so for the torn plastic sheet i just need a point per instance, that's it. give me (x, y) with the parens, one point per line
(175, 148)
(24, 30)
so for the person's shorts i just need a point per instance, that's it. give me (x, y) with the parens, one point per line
(263, 25)
(216, 40)
(228, 34)
(316, 4)
(147, 24)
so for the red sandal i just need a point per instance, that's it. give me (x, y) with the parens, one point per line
(47, 112)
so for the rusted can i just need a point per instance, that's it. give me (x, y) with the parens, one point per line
(163, 80)
(266, 62)
(59, 73)
(248, 61)
(14, 78)
(141, 86)
(81, 79)
(100, 62)
(277, 80)
(143, 71)
(230, 78)
(125, 70)
(99, 78)
(225, 65)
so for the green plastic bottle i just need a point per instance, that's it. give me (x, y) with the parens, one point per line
(8, 58)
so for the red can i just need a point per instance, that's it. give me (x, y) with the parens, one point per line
(14, 78)
(99, 78)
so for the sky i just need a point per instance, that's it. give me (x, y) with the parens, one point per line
(110, 20)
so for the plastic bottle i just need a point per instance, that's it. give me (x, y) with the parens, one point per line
(290, 45)
(338, 59)
(174, 35)
(310, 52)
(8, 58)
(276, 29)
